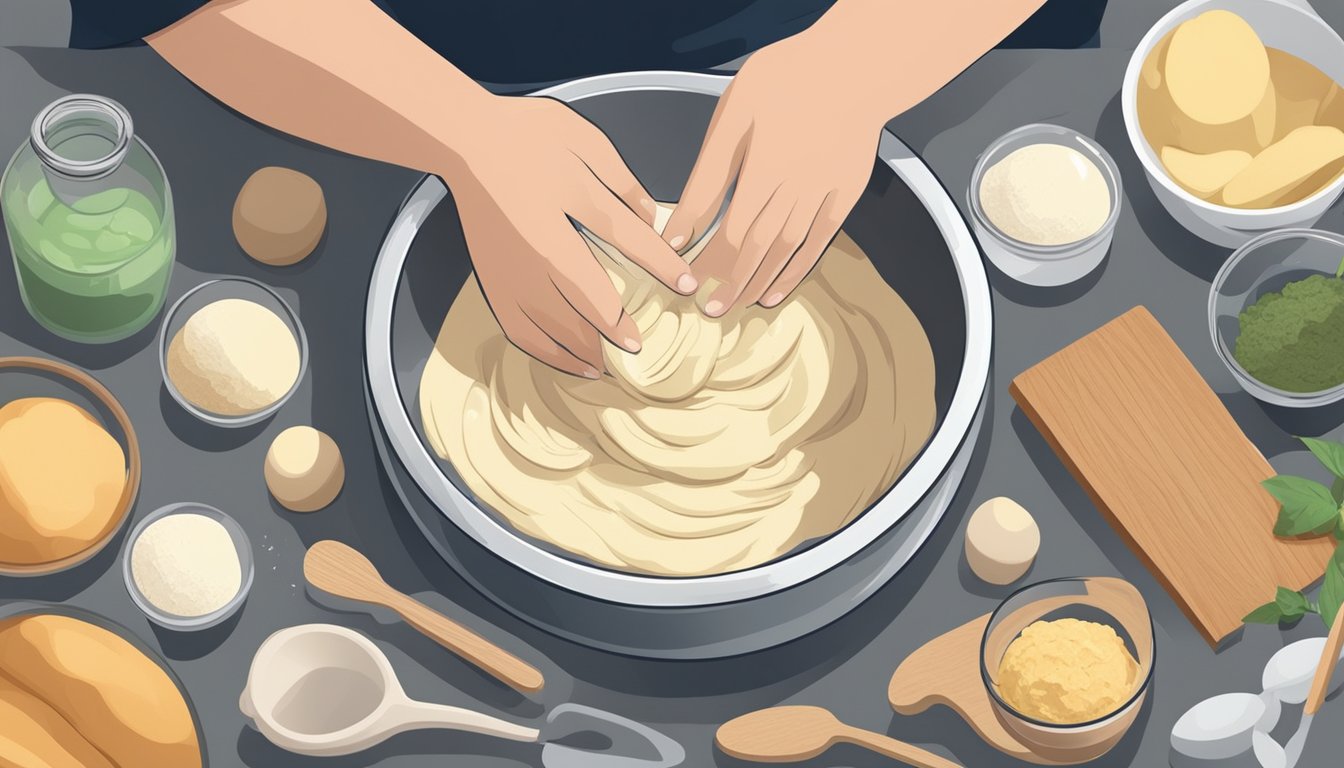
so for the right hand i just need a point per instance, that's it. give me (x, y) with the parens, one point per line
(525, 169)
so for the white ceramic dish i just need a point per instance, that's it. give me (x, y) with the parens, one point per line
(1289, 25)
(1044, 265)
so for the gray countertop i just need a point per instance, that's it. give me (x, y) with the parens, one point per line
(208, 151)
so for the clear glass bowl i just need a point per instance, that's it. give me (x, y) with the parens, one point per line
(208, 293)
(241, 544)
(1263, 265)
(1044, 265)
(22, 377)
(1105, 600)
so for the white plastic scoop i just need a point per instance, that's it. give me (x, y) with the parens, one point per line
(320, 689)
(1235, 727)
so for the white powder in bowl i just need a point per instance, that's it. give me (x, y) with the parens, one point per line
(233, 357)
(186, 565)
(1045, 194)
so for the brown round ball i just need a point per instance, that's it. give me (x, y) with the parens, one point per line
(304, 470)
(279, 216)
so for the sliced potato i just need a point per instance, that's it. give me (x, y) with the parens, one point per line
(1151, 72)
(110, 692)
(1217, 70)
(1299, 89)
(1204, 175)
(35, 736)
(1282, 166)
(1331, 111)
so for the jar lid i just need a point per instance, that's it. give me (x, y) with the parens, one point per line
(96, 115)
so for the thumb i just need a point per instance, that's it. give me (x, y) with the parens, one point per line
(713, 175)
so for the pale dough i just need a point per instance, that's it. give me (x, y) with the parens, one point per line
(723, 444)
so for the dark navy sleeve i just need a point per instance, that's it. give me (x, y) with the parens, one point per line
(1060, 24)
(108, 23)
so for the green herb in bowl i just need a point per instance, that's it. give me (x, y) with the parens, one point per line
(1293, 339)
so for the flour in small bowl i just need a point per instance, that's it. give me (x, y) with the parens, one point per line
(186, 565)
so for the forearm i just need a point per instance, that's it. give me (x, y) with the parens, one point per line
(336, 72)
(901, 51)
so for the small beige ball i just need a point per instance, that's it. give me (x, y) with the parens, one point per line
(279, 216)
(304, 470)
(1001, 541)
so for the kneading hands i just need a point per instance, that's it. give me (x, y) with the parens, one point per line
(794, 138)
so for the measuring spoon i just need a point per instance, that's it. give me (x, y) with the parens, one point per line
(1269, 752)
(341, 570)
(1223, 727)
(321, 689)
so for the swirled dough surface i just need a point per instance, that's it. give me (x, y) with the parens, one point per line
(723, 444)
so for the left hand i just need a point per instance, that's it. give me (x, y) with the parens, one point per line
(799, 136)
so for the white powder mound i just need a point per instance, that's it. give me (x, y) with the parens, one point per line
(1046, 194)
(233, 358)
(186, 565)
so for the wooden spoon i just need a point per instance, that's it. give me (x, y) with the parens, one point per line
(791, 734)
(336, 568)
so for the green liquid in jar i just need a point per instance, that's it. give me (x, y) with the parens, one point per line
(95, 269)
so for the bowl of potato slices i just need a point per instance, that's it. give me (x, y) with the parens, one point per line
(1235, 109)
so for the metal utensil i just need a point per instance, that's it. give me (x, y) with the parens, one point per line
(1268, 751)
(336, 568)
(321, 689)
(791, 734)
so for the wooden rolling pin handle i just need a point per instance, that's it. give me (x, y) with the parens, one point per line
(499, 663)
(1320, 683)
(899, 750)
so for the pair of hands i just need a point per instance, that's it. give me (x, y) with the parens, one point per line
(799, 148)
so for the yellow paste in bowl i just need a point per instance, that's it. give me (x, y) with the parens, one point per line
(723, 444)
(1067, 671)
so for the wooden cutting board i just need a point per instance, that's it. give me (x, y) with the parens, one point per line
(1165, 462)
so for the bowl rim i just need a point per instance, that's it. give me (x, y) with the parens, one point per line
(242, 545)
(1062, 251)
(1152, 166)
(654, 591)
(1119, 711)
(1251, 384)
(290, 318)
(134, 470)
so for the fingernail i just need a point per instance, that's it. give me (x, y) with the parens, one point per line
(676, 242)
(773, 299)
(631, 344)
(714, 308)
(687, 283)
(591, 373)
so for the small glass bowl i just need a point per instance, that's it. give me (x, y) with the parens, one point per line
(22, 377)
(1263, 265)
(205, 294)
(189, 623)
(1044, 265)
(1105, 600)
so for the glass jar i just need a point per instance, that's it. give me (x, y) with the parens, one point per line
(90, 221)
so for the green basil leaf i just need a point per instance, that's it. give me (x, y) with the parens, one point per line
(1332, 591)
(1266, 614)
(1290, 603)
(1337, 490)
(1329, 453)
(1308, 506)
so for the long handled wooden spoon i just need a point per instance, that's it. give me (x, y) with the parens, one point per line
(336, 568)
(791, 734)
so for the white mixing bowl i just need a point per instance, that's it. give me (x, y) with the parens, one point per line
(1289, 25)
